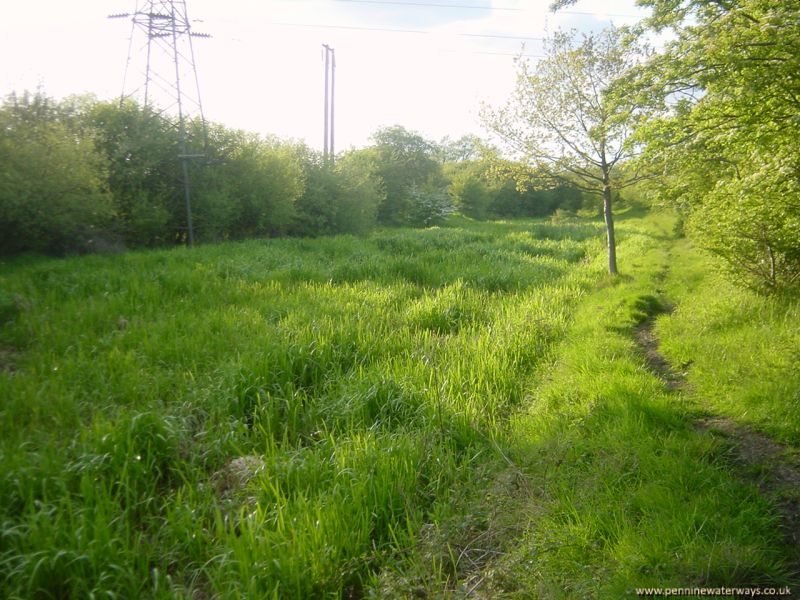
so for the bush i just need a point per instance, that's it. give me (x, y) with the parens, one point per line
(428, 205)
(52, 181)
(337, 199)
(362, 194)
(753, 224)
(469, 191)
(139, 149)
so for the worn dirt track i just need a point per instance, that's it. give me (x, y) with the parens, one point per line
(760, 458)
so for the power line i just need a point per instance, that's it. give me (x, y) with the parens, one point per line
(432, 4)
(599, 14)
(433, 33)
(440, 51)
(413, 32)
(507, 54)
(486, 8)
(407, 31)
(498, 36)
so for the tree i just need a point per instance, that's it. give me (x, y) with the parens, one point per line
(262, 178)
(430, 205)
(465, 148)
(337, 199)
(404, 160)
(728, 142)
(564, 121)
(140, 147)
(469, 189)
(53, 196)
(362, 194)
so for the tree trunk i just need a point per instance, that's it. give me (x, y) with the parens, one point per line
(609, 217)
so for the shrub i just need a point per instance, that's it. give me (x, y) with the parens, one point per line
(429, 205)
(52, 181)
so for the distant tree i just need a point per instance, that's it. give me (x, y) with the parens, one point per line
(53, 195)
(430, 205)
(141, 149)
(261, 178)
(564, 121)
(342, 198)
(469, 188)
(404, 160)
(362, 194)
(245, 186)
(465, 148)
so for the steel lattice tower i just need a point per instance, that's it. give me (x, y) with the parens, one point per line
(161, 62)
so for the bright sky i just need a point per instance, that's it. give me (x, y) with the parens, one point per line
(262, 70)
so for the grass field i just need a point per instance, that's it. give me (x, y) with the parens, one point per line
(455, 411)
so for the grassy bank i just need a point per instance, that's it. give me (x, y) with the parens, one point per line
(742, 350)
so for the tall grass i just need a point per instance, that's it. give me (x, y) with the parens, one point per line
(741, 350)
(610, 485)
(454, 410)
(265, 418)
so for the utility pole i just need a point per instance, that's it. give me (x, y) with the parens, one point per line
(168, 63)
(328, 153)
(327, 73)
(333, 98)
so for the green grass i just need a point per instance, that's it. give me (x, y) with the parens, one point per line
(743, 350)
(634, 496)
(413, 412)
(613, 486)
(366, 378)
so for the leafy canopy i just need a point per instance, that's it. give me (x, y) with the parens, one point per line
(728, 142)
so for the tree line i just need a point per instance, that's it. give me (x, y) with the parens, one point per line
(724, 141)
(80, 175)
(709, 125)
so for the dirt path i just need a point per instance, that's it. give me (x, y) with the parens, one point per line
(658, 364)
(762, 460)
(770, 466)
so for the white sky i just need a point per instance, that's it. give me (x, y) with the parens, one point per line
(262, 70)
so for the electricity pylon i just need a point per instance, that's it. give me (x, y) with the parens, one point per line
(165, 74)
